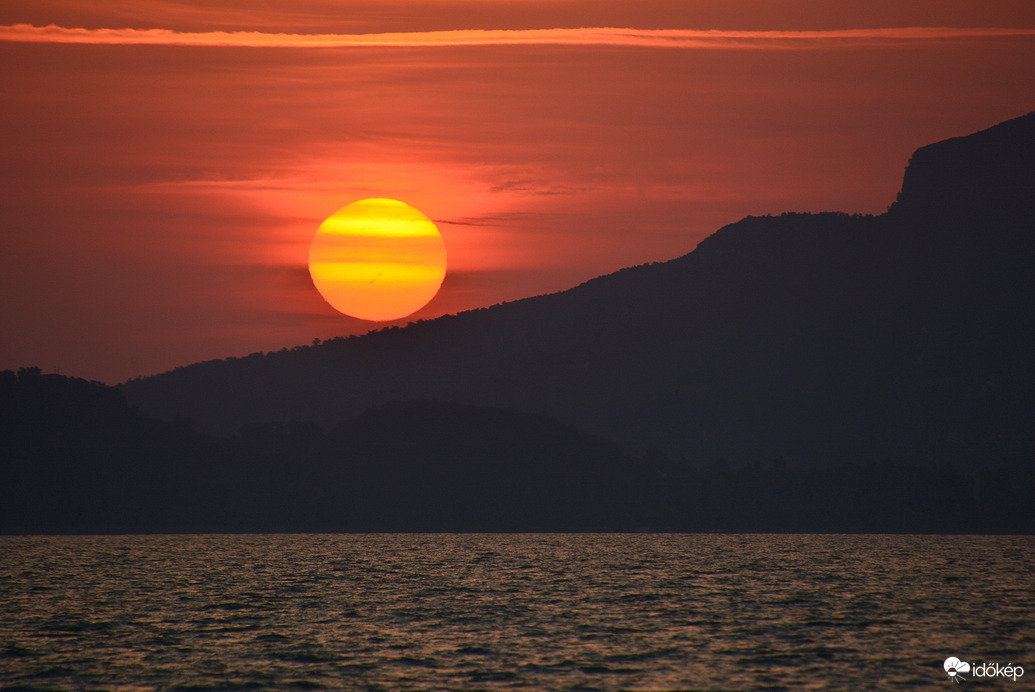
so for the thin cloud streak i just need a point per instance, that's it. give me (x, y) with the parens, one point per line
(588, 36)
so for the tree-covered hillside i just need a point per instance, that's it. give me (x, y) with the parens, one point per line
(75, 458)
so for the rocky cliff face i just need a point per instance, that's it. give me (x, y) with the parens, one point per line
(989, 173)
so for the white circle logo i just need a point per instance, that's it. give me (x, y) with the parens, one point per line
(953, 667)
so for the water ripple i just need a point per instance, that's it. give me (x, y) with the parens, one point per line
(637, 612)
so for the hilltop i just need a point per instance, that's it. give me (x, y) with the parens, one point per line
(816, 338)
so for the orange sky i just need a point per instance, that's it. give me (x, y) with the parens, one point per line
(160, 188)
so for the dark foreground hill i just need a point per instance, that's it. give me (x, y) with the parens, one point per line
(75, 458)
(820, 338)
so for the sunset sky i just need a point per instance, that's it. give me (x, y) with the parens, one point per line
(165, 164)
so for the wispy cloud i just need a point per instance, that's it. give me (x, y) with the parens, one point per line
(589, 36)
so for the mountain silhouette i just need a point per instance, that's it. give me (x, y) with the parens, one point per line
(76, 458)
(816, 338)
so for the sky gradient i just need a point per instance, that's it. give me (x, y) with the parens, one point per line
(166, 164)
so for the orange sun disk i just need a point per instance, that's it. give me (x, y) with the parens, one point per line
(377, 259)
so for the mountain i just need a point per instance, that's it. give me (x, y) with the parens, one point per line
(815, 338)
(76, 458)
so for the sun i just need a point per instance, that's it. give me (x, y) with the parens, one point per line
(377, 259)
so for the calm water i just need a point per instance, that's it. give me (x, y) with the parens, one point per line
(543, 612)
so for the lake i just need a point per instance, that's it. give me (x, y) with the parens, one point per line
(513, 611)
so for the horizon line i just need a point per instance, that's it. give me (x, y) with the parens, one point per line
(585, 36)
